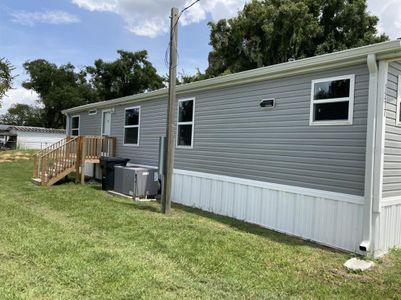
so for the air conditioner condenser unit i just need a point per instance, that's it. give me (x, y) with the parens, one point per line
(137, 182)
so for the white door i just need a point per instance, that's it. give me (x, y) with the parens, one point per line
(106, 128)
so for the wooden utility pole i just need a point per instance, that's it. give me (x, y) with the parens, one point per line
(168, 179)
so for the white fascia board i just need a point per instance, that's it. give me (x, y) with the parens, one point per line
(349, 57)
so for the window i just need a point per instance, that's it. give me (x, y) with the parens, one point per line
(185, 124)
(398, 120)
(75, 125)
(92, 112)
(131, 126)
(106, 122)
(332, 101)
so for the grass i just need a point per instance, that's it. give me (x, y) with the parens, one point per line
(73, 242)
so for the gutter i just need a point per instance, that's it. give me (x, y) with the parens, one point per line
(366, 243)
(302, 66)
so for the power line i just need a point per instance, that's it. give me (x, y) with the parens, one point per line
(166, 60)
(183, 10)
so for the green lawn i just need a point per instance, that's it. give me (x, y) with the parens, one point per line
(73, 242)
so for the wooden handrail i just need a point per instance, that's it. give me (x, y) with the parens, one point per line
(71, 153)
(47, 150)
(69, 142)
(53, 146)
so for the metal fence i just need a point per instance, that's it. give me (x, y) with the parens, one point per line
(14, 145)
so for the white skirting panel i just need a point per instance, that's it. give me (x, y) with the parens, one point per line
(388, 234)
(89, 170)
(332, 219)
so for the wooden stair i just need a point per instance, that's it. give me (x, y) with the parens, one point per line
(70, 155)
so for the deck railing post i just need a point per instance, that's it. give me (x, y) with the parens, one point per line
(78, 158)
(113, 146)
(35, 166)
(43, 170)
(83, 156)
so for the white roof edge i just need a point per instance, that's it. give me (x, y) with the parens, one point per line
(385, 50)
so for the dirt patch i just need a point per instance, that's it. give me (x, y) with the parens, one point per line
(24, 158)
(13, 156)
(5, 160)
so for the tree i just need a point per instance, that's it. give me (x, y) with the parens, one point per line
(186, 78)
(130, 74)
(23, 115)
(273, 31)
(6, 77)
(59, 88)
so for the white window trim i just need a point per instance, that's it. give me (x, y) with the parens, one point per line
(92, 112)
(350, 99)
(79, 124)
(185, 123)
(132, 126)
(397, 121)
(110, 110)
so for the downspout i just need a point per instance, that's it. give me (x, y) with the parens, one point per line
(366, 243)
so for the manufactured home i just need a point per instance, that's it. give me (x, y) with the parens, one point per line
(310, 148)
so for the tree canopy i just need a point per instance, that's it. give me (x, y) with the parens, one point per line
(23, 115)
(6, 78)
(63, 87)
(59, 88)
(130, 74)
(268, 32)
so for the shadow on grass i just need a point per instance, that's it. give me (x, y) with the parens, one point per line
(134, 205)
(228, 221)
(128, 202)
(254, 229)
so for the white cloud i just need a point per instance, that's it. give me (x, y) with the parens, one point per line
(151, 18)
(18, 95)
(31, 18)
(389, 13)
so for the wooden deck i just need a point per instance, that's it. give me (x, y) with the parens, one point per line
(70, 155)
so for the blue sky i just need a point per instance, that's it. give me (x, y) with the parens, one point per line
(80, 31)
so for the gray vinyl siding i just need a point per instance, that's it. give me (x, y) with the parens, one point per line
(392, 144)
(235, 137)
(152, 126)
(88, 124)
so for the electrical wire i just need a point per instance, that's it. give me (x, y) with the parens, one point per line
(166, 55)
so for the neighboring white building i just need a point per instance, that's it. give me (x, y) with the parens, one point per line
(25, 137)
